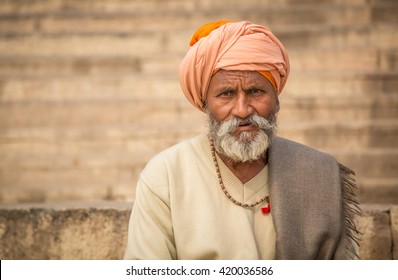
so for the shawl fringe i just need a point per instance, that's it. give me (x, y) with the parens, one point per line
(351, 238)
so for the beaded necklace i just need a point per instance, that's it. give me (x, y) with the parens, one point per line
(221, 183)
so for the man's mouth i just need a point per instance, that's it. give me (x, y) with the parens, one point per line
(244, 123)
(246, 126)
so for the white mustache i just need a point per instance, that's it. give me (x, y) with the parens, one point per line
(229, 126)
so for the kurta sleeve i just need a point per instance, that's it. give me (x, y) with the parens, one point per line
(150, 232)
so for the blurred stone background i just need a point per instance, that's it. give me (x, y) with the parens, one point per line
(89, 92)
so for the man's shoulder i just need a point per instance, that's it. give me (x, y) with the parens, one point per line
(293, 147)
(178, 153)
(292, 152)
(181, 148)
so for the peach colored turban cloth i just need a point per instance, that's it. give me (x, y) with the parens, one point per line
(231, 46)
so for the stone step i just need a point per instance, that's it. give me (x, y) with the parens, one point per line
(381, 37)
(95, 177)
(23, 7)
(357, 60)
(76, 145)
(172, 41)
(89, 88)
(51, 6)
(380, 191)
(183, 18)
(93, 140)
(337, 84)
(93, 112)
(128, 44)
(156, 111)
(86, 178)
(80, 141)
(75, 88)
(343, 135)
(73, 184)
(371, 163)
(44, 66)
(365, 60)
(295, 108)
(273, 16)
(20, 7)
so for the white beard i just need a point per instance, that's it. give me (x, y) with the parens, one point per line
(245, 147)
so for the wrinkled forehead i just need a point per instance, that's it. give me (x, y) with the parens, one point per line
(232, 77)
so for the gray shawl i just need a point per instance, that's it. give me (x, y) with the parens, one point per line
(313, 203)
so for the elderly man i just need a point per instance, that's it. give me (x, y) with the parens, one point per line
(240, 192)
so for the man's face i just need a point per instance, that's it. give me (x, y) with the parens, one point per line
(242, 106)
(240, 94)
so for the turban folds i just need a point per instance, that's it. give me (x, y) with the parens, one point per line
(232, 46)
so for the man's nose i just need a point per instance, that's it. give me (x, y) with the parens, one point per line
(243, 107)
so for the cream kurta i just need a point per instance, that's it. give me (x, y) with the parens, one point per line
(180, 211)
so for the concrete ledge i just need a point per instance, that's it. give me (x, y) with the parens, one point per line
(64, 231)
(375, 226)
(98, 230)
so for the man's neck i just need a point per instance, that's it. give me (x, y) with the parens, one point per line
(244, 171)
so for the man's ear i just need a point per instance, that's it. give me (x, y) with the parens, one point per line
(277, 105)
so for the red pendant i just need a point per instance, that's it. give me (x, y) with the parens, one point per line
(266, 209)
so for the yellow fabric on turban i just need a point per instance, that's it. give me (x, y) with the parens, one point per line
(269, 77)
(231, 46)
(205, 30)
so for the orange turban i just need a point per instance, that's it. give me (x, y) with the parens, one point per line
(231, 46)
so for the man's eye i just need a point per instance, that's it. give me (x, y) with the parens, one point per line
(255, 91)
(226, 93)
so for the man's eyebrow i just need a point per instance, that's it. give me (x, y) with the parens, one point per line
(223, 88)
(253, 84)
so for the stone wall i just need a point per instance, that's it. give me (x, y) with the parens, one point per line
(89, 89)
(82, 230)
(74, 230)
